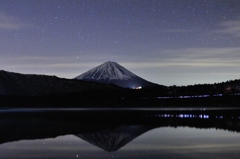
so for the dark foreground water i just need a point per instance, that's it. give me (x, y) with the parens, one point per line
(140, 134)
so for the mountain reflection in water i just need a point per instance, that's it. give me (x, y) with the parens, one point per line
(108, 130)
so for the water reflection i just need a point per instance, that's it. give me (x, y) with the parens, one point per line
(110, 130)
(113, 139)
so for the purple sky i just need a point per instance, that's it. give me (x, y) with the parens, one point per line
(170, 42)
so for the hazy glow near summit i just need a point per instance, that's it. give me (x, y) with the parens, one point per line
(170, 42)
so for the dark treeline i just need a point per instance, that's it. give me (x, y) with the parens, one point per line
(223, 94)
(225, 88)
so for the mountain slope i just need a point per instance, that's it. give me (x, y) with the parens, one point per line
(39, 85)
(112, 72)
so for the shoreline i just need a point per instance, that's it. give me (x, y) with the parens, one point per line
(117, 109)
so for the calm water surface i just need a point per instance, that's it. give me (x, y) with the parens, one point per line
(120, 134)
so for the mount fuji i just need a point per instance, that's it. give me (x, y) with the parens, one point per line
(113, 73)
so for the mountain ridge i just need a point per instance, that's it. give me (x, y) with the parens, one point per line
(35, 85)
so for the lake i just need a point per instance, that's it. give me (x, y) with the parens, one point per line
(120, 133)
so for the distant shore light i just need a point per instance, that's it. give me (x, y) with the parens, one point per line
(140, 87)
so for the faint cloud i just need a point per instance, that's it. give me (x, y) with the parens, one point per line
(191, 58)
(11, 23)
(45, 62)
(179, 30)
(66, 67)
(230, 27)
(191, 61)
(205, 53)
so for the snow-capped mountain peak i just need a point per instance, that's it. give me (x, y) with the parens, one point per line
(112, 72)
(107, 71)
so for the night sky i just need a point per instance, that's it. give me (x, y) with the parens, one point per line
(170, 42)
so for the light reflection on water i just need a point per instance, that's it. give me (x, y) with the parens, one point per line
(161, 134)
